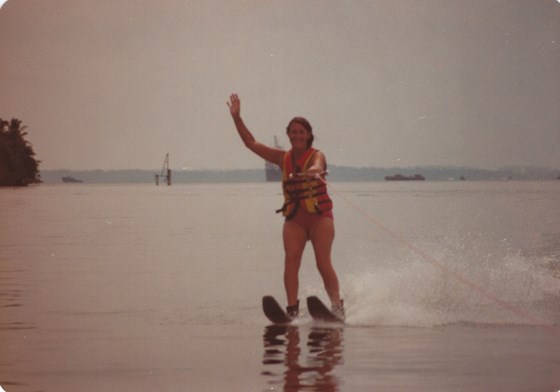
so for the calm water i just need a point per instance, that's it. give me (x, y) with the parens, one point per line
(448, 287)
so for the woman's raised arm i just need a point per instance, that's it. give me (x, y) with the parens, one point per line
(270, 154)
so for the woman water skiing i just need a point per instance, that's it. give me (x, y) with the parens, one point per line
(307, 207)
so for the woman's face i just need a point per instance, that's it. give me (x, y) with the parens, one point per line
(298, 136)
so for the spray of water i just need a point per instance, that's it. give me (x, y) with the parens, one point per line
(454, 283)
(513, 290)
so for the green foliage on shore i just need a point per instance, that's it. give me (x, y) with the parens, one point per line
(18, 167)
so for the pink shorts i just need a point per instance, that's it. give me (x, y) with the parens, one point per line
(307, 220)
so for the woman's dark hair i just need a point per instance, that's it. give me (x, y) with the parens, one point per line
(302, 121)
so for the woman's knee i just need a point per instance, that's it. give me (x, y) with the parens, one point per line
(292, 263)
(324, 266)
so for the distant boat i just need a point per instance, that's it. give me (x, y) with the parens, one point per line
(272, 171)
(69, 179)
(400, 177)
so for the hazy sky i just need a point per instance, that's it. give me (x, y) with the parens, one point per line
(116, 84)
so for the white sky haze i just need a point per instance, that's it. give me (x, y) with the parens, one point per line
(105, 84)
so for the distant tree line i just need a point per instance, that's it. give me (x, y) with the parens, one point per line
(18, 167)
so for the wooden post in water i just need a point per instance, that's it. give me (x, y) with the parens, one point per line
(165, 169)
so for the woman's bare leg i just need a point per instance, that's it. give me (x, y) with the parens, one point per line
(322, 237)
(294, 243)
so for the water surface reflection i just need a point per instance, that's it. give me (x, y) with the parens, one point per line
(302, 364)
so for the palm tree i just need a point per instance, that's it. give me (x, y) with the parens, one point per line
(18, 167)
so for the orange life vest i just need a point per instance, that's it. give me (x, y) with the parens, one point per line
(300, 191)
